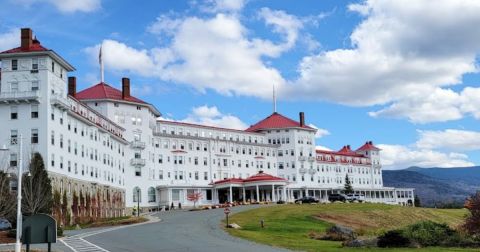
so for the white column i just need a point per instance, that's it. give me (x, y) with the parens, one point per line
(230, 195)
(258, 194)
(273, 193)
(243, 194)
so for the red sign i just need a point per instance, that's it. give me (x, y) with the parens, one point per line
(226, 210)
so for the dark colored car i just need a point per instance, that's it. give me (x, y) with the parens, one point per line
(307, 200)
(337, 197)
(5, 224)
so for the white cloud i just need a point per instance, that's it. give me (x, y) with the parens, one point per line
(211, 116)
(67, 6)
(400, 157)
(10, 39)
(212, 6)
(450, 139)
(399, 49)
(320, 132)
(118, 56)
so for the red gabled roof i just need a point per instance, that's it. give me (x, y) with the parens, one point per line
(104, 91)
(276, 121)
(35, 47)
(229, 181)
(261, 176)
(368, 146)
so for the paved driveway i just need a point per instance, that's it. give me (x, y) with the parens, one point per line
(178, 231)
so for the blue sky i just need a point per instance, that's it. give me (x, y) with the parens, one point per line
(400, 73)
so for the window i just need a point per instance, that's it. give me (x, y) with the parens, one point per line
(14, 65)
(14, 87)
(34, 85)
(151, 195)
(34, 136)
(53, 67)
(138, 171)
(137, 194)
(13, 159)
(34, 64)
(34, 111)
(13, 137)
(13, 113)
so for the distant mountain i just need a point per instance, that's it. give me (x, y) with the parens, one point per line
(436, 186)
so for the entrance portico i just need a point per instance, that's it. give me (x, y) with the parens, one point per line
(261, 187)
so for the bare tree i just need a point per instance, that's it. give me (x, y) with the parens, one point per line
(7, 202)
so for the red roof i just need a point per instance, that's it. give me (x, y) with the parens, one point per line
(104, 91)
(35, 47)
(261, 176)
(230, 180)
(276, 121)
(203, 126)
(368, 146)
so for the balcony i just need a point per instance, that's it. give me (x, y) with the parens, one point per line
(311, 159)
(137, 162)
(312, 171)
(60, 102)
(302, 158)
(18, 97)
(138, 144)
(302, 170)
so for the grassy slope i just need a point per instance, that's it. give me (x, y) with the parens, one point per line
(288, 225)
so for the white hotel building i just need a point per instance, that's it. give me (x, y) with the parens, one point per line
(105, 142)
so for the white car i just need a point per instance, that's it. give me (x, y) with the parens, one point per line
(5, 225)
(356, 197)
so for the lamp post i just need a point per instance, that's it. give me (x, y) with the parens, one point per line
(138, 202)
(18, 243)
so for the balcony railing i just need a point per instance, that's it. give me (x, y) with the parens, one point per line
(302, 158)
(138, 145)
(311, 159)
(312, 171)
(26, 96)
(60, 102)
(302, 170)
(137, 162)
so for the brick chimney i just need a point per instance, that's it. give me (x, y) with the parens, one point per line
(302, 119)
(26, 38)
(125, 88)
(72, 86)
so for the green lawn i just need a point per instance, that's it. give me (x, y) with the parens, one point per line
(288, 225)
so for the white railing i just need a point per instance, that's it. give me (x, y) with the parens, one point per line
(137, 162)
(138, 145)
(312, 171)
(311, 159)
(302, 170)
(13, 96)
(60, 101)
(302, 158)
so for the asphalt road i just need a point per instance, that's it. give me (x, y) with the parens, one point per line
(178, 231)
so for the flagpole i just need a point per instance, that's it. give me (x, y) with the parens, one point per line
(102, 79)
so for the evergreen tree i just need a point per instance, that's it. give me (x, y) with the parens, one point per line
(417, 202)
(348, 185)
(7, 202)
(37, 196)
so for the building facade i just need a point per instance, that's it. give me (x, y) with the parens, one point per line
(104, 142)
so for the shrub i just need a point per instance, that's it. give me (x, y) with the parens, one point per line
(472, 223)
(59, 231)
(428, 233)
(393, 239)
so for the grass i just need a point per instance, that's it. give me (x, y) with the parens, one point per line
(288, 225)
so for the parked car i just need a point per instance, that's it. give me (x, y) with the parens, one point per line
(5, 224)
(307, 200)
(337, 197)
(356, 197)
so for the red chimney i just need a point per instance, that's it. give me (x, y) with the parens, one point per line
(125, 88)
(302, 119)
(72, 86)
(26, 38)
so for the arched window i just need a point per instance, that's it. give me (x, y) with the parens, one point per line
(137, 194)
(151, 195)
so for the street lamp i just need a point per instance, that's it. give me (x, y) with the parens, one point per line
(138, 202)
(18, 243)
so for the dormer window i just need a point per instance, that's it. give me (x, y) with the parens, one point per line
(14, 65)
